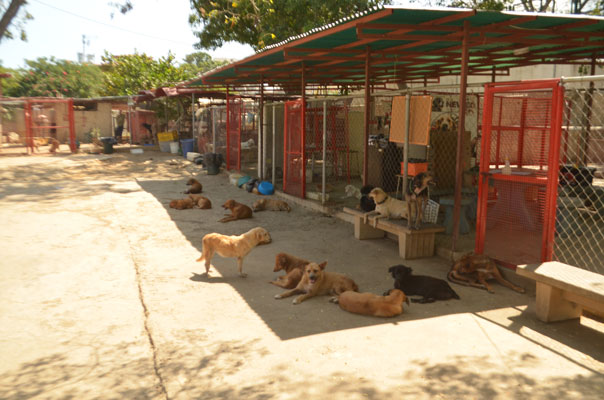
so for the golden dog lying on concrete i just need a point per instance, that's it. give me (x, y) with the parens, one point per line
(317, 282)
(389, 305)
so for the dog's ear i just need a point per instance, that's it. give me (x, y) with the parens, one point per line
(323, 264)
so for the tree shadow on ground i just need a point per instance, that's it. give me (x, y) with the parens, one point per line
(212, 371)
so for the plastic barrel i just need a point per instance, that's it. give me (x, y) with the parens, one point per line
(107, 145)
(187, 145)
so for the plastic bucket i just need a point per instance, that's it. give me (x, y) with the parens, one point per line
(213, 169)
(164, 147)
(187, 146)
(174, 147)
(107, 145)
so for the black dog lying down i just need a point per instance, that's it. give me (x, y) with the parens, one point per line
(430, 289)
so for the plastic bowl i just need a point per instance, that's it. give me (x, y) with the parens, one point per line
(266, 188)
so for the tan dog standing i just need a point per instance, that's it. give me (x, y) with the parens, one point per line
(317, 282)
(54, 146)
(195, 186)
(236, 246)
(293, 267)
(271, 204)
(371, 304)
(385, 207)
(238, 211)
(474, 270)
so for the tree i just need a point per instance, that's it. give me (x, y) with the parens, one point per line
(199, 62)
(131, 73)
(57, 78)
(260, 23)
(10, 14)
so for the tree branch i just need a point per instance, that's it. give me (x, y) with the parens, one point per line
(11, 12)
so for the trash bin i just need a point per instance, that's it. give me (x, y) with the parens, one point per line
(107, 145)
(187, 145)
(212, 162)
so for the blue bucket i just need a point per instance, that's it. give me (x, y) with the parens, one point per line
(187, 146)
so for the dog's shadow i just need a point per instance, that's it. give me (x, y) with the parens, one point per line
(204, 277)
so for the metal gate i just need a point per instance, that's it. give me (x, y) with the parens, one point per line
(39, 125)
(233, 137)
(519, 171)
(294, 162)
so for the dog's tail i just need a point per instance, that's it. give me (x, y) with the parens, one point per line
(200, 258)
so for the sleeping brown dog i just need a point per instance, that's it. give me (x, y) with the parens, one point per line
(238, 211)
(195, 186)
(182, 204)
(236, 246)
(416, 197)
(316, 282)
(293, 267)
(389, 305)
(474, 270)
(271, 204)
(200, 201)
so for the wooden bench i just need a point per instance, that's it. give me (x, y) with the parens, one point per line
(563, 290)
(411, 243)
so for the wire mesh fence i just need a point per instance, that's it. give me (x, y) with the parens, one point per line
(580, 209)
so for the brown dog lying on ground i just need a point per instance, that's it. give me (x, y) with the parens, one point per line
(474, 270)
(316, 282)
(271, 204)
(293, 267)
(195, 186)
(238, 211)
(200, 201)
(236, 246)
(389, 305)
(416, 197)
(182, 204)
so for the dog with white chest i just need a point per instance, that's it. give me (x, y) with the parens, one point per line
(385, 207)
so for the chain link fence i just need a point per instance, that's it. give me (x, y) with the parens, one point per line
(580, 213)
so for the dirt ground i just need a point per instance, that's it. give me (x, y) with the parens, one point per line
(101, 298)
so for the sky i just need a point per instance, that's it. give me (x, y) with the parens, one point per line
(154, 27)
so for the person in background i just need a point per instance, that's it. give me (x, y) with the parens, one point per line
(120, 119)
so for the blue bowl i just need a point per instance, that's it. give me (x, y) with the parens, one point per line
(266, 188)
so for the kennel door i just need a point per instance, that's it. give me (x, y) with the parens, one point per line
(519, 171)
(233, 153)
(294, 161)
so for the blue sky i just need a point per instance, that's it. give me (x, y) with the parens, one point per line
(154, 27)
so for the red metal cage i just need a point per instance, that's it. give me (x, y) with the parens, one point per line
(519, 171)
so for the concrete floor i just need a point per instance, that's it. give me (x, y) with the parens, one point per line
(101, 298)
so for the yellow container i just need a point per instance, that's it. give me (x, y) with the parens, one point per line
(166, 136)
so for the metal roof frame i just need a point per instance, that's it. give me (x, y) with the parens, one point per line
(414, 44)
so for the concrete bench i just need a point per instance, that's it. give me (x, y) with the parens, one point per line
(563, 290)
(411, 243)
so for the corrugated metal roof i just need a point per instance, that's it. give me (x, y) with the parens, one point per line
(406, 44)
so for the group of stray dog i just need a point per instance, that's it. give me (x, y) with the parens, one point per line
(308, 279)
